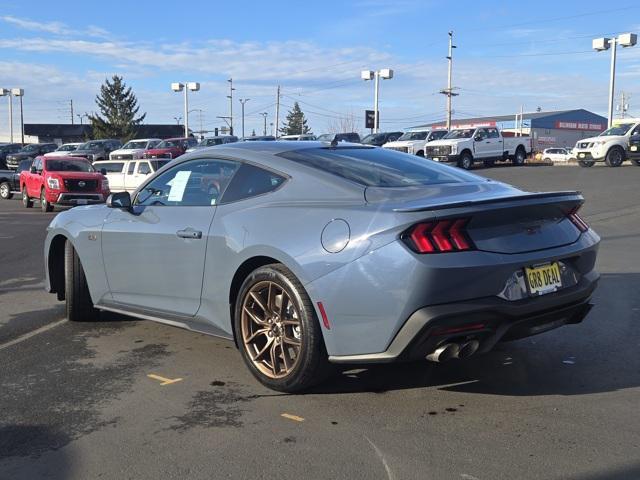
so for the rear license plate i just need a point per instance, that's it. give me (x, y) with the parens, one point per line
(82, 201)
(543, 279)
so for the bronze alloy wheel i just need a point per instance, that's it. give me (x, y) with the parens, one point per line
(271, 329)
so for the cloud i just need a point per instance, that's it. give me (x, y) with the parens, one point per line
(55, 28)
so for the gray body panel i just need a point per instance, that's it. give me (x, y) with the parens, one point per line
(369, 287)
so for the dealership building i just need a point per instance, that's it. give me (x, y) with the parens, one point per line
(548, 129)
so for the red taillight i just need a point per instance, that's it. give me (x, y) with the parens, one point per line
(440, 236)
(577, 220)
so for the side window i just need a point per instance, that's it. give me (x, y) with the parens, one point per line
(636, 130)
(132, 166)
(195, 183)
(493, 133)
(251, 181)
(38, 164)
(481, 133)
(110, 167)
(144, 168)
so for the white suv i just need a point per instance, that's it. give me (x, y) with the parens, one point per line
(610, 146)
(133, 149)
(128, 175)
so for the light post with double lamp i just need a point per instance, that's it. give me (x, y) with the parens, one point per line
(601, 44)
(186, 86)
(19, 92)
(385, 74)
(243, 101)
(5, 92)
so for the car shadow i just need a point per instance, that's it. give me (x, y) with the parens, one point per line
(598, 355)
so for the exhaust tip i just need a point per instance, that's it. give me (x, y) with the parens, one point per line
(468, 348)
(444, 352)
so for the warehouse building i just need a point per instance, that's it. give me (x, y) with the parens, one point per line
(64, 133)
(561, 128)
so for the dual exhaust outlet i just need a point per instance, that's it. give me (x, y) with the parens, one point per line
(449, 351)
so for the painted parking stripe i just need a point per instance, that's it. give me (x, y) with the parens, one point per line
(163, 380)
(33, 333)
(295, 418)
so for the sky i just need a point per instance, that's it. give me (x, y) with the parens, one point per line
(509, 54)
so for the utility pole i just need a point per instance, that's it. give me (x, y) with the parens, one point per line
(230, 97)
(11, 115)
(71, 108)
(449, 90)
(264, 117)
(624, 104)
(277, 112)
(243, 101)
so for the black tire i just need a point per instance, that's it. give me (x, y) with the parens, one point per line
(313, 365)
(420, 154)
(615, 157)
(44, 205)
(546, 159)
(466, 161)
(520, 157)
(79, 305)
(636, 161)
(489, 163)
(5, 191)
(585, 164)
(26, 201)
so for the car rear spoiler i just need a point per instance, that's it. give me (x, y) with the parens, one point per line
(563, 196)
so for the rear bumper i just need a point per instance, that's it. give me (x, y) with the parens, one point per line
(496, 320)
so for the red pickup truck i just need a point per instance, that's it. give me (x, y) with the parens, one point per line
(170, 148)
(62, 181)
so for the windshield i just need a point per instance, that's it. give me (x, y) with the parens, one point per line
(139, 144)
(377, 167)
(69, 166)
(67, 148)
(326, 137)
(209, 142)
(413, 136)
(617, 130)
(30, 148)
(373, 139)
(462, 133)
(167, 144)
(90, 146)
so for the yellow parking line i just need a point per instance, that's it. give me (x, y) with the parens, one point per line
(165, 381)
(295, 418)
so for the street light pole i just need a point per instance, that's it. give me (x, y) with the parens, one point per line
(186, 86)
(11, 115)
(230, 97)
(385, 74)
(264, 117)
(243, 101)
(601, 44)
(19, 92)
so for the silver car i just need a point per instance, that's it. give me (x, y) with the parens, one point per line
(309, 253)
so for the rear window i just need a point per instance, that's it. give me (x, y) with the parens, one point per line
(376, 167)
(158, 164)
(110, 167)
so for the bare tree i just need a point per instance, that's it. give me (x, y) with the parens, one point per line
(344, 124)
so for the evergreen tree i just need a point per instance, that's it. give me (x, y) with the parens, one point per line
(118, 108)
(295, 123)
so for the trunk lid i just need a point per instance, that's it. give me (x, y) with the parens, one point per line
(503, 219)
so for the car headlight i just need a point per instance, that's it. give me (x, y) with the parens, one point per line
(54, 183)
(454, 148)
(105, 183)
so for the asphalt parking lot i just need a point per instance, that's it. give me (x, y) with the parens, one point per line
(124, 398)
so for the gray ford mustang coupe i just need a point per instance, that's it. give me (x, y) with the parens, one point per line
(307, 254)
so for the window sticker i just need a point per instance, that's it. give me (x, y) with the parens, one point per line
(178, 185)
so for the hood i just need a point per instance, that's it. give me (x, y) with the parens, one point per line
(59, 154)
(403, 143)
(77, 175)
(22, 156)
(608, 138)
(128, 151)
(152, 151)
(448, 141)
(86, 151)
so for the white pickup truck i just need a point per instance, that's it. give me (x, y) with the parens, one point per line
(127, 175)
(414, 141)
(610, 146)
(133, 149)
(464, 146)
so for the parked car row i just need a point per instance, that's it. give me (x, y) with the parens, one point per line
(613, 146)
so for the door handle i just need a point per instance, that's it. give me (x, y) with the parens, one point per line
(488, 141)
(189, 233)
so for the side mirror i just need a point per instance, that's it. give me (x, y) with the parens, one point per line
(477, 138)
(103, 171)
(32, 169)
(119, 200)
